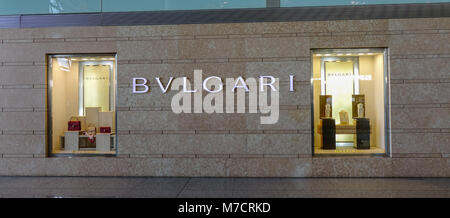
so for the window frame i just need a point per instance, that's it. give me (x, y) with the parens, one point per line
(386, 89)
(48, 120)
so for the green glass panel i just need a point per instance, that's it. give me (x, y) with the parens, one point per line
(12, 7)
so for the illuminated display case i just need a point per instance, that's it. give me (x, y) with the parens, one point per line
(82, 104)
(353, 83)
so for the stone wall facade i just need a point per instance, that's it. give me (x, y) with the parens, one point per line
(153, 141)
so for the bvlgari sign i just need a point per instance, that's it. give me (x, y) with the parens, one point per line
(263, 94)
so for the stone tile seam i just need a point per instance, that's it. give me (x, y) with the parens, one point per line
(23, 132)
(168, 108)
(23, 109)
(421, 105)
(415, 130)
(224, 36)
(419, 81)
(302, 156)
(215, 132)
(282, 107)
(225, 60)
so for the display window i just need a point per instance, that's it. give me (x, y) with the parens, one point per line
(81, 104)
(349, 101)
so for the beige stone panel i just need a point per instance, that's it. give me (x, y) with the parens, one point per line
(22, 166)
(204, 29)
(211, 48)
(420, 93)
(350, 41)
(61, 166)
(277, 47)
(287, 27)
(20, 144)
(150, 30)
(288, 120)
(167, 120)
(213, 121)
(352, 167)
(420, 167)
(300, 69)
(22, 98)
(196, 167)
(300, 96)
(57, 32)
(145, 167)
(421, 118)
(22, 121)
(415, 68)
(182, 144)
(154, 98)
(269, 167)
(278, 144)
(219, 143)
(149, 71)
(106, 166)
(143, 50)
(22, 75)
(425, 143)
(419, 24)
(357, 25)
(142, 144)
(28, 52)
(419, 44)
(145, 120)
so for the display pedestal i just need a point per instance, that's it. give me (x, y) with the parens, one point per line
(71, 140)
(362, 133)
(328, 133)
(103, 142)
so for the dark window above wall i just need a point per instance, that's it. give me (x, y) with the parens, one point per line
(90, 14)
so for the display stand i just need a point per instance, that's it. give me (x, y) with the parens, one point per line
(362, 133)
(103, 142)
(328, 133)
(71, 140)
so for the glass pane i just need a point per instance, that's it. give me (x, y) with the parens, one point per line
(300, 3)
(349, 101)
(10, 7)
(158, 5)
(82, 104)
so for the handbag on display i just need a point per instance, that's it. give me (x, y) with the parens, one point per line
(74, 124)
(105, 129)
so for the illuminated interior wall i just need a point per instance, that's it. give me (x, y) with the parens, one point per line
(97, 86)
(379, 128)
(64, 99)
(341, 90)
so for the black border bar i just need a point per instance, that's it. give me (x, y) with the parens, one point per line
(353, 12)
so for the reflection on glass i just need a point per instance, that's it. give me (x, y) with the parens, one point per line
(303, 3)
(82, 94)
(159, 5)
(349, 83)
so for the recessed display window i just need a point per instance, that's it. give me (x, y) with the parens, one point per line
(349, 101)
(81, 109)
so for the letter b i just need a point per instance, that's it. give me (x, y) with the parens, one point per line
(135, 85)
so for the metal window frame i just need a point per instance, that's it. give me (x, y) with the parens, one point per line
(49, 121)
(386, 90)
(209, 16)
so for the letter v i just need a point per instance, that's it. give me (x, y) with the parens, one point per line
(164, 90)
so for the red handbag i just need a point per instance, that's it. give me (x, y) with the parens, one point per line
(105, 129)
(74, 124)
